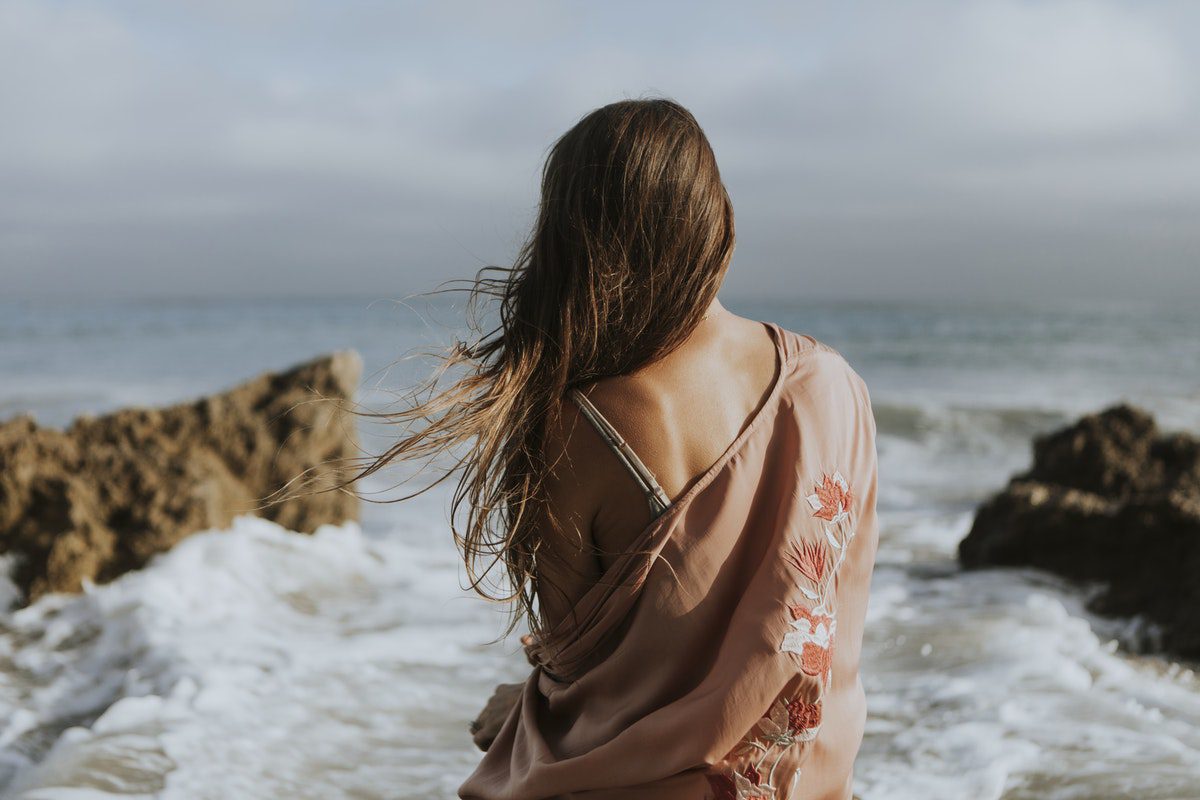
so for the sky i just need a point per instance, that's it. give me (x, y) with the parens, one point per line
(951, 151)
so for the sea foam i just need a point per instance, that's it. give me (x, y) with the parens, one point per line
(249, 663)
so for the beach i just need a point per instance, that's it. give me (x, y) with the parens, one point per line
(256, 662)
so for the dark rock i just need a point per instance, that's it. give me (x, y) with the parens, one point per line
(1109, 500)
(102, 497)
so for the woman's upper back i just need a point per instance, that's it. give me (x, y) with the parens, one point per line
(678, 416)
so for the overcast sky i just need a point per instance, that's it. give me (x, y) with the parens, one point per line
(955, 150)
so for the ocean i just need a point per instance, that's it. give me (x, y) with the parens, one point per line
(260, 663)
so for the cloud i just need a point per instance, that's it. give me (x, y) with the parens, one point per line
(876, 149)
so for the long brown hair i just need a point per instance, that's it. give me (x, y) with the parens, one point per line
(633, 236)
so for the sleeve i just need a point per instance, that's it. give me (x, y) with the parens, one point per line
(828, 571)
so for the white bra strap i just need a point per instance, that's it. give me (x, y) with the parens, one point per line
(654, 493)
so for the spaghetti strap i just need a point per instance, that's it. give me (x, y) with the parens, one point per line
(657, 498)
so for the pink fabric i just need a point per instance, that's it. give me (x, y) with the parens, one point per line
(719, 659)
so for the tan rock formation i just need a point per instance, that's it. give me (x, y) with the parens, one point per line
(103, 496)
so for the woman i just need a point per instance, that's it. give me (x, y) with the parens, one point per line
(682, 500)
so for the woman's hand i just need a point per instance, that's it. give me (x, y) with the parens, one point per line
(487, 724)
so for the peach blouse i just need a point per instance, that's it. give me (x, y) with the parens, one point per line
(719, 657)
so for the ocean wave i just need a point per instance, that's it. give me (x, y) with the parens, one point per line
(995, 685)
(347, 664)
(925, 422)
(305, 666)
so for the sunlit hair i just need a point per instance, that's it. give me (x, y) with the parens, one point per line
(633, 236)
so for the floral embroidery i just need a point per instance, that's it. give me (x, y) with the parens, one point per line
(748, 772)
(814, 630)
(811, 638)
(785, 724)
(831, 499)
(809, 559)
(804, 717)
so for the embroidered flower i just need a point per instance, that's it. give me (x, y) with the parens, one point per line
(760, 751)
(809, 558)
(804, 718)
(831, 498)
(811, 638)
(775, 727)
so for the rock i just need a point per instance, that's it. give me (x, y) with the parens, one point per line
(103, 496)
(1108, 500)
